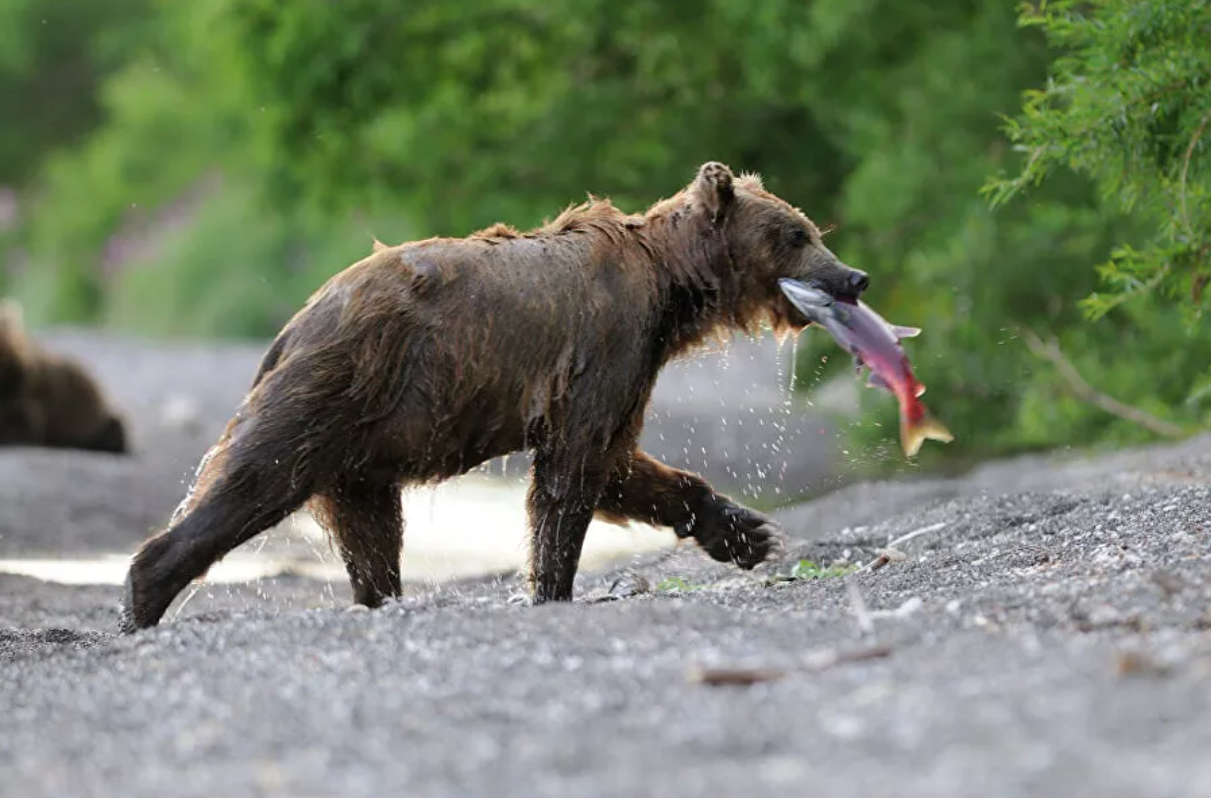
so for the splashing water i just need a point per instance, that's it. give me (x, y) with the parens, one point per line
(183, 507)
(794, 361)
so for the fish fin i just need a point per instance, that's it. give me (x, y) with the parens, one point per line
(913, 434)
(905, 332)
(920, 389)
(875, 380)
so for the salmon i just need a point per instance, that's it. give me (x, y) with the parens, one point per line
(874, 343)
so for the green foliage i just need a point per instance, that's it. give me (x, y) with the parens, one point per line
(1128, 103)
(677, 584)
(52, 57)
(210, 289)
(154, 148)
(210, 286)
(806, 570)
(924, 141)
(159, 224)
(472, 111)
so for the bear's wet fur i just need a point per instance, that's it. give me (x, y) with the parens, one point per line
(49, 400)
(426, 359)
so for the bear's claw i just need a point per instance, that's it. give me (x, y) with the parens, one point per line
(734, 534)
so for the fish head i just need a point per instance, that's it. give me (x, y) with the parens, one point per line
(813, 303)
(818, 306)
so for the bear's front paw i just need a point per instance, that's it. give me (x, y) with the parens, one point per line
(735, 534)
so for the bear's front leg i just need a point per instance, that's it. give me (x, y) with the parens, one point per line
(563, 496)
(656, 494)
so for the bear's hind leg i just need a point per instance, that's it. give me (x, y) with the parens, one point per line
(240, 491)
(366, 521)
(222, 519)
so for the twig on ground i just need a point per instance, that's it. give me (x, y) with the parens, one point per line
(1051, 352)
(893, 554)
(916, 533)
(882, 558)
(829, 658)
(813, 663)
(728, 677)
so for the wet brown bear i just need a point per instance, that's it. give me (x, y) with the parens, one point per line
(47, 399)
(426, 359)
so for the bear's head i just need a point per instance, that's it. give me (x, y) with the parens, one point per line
(766, 238)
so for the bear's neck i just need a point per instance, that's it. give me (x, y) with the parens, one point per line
(699, 301)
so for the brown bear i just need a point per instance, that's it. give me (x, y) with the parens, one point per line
(429, 358)
(49, 400)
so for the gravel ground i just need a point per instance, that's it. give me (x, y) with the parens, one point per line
(1047, 632)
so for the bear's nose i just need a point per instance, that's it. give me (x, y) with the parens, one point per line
(859, 281)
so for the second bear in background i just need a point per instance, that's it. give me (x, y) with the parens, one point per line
(49, 400)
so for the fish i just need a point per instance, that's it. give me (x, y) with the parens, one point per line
(874, 343)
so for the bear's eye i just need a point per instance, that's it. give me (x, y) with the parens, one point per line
(798, 237)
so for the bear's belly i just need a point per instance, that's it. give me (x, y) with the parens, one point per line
(457, 436)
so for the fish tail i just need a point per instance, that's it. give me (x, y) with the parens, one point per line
(918, 426)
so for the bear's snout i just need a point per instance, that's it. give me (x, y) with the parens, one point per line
(859, 281)
(839, 281)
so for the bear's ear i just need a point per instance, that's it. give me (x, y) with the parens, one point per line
(715, 190)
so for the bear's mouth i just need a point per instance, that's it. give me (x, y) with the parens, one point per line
(848, 297)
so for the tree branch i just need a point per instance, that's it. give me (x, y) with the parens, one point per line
(1198, 134)
(1051, 352)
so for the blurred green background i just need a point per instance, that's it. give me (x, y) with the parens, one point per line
(198, 168)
